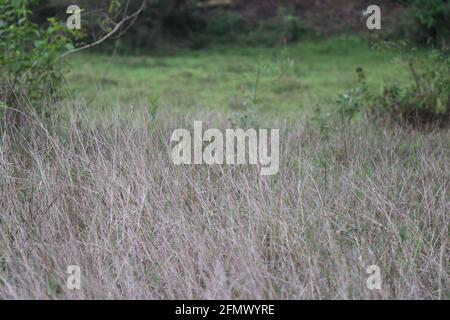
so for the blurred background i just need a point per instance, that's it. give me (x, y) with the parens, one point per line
(200, 23)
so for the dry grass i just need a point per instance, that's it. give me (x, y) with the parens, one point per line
(104, 195)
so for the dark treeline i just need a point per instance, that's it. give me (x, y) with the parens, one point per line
(200, 23)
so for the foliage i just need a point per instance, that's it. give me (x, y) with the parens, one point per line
(162, 22)
(433, 15)
(227, 27)
(425, 102)
(351, 102)
(167, 24)
(28, 55)
(222, 23)
(426, 21)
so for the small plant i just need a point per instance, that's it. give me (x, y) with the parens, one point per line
(244, 119)
(351, 102)
(153, 106)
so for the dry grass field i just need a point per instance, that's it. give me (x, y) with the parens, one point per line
(101, 192)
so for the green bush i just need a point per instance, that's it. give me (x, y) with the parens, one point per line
(424, 103)
(28, 57)
(424, 21)
(433, 16)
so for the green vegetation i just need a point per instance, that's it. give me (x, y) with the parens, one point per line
(28, 55)
(227, 27)
(424, 102)
(292, 78)
(432, 17)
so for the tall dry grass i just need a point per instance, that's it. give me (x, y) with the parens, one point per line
(102, 193)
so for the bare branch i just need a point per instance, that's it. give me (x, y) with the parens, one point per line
(116, 28)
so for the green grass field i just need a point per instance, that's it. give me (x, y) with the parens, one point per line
(287, 79)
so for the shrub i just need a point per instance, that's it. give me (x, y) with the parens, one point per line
(28, 57)
(426, 102)
(433, 16)
(424, 21)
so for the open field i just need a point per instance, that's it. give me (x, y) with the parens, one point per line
(288, 79)
(103, 194)
(94, 186)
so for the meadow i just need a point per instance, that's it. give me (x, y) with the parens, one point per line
(94, 186)
(270, 80)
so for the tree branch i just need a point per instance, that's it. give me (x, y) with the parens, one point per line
(108, 35)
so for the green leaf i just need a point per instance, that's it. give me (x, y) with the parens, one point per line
(15, 66)
(69, 46)
(39, 43)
